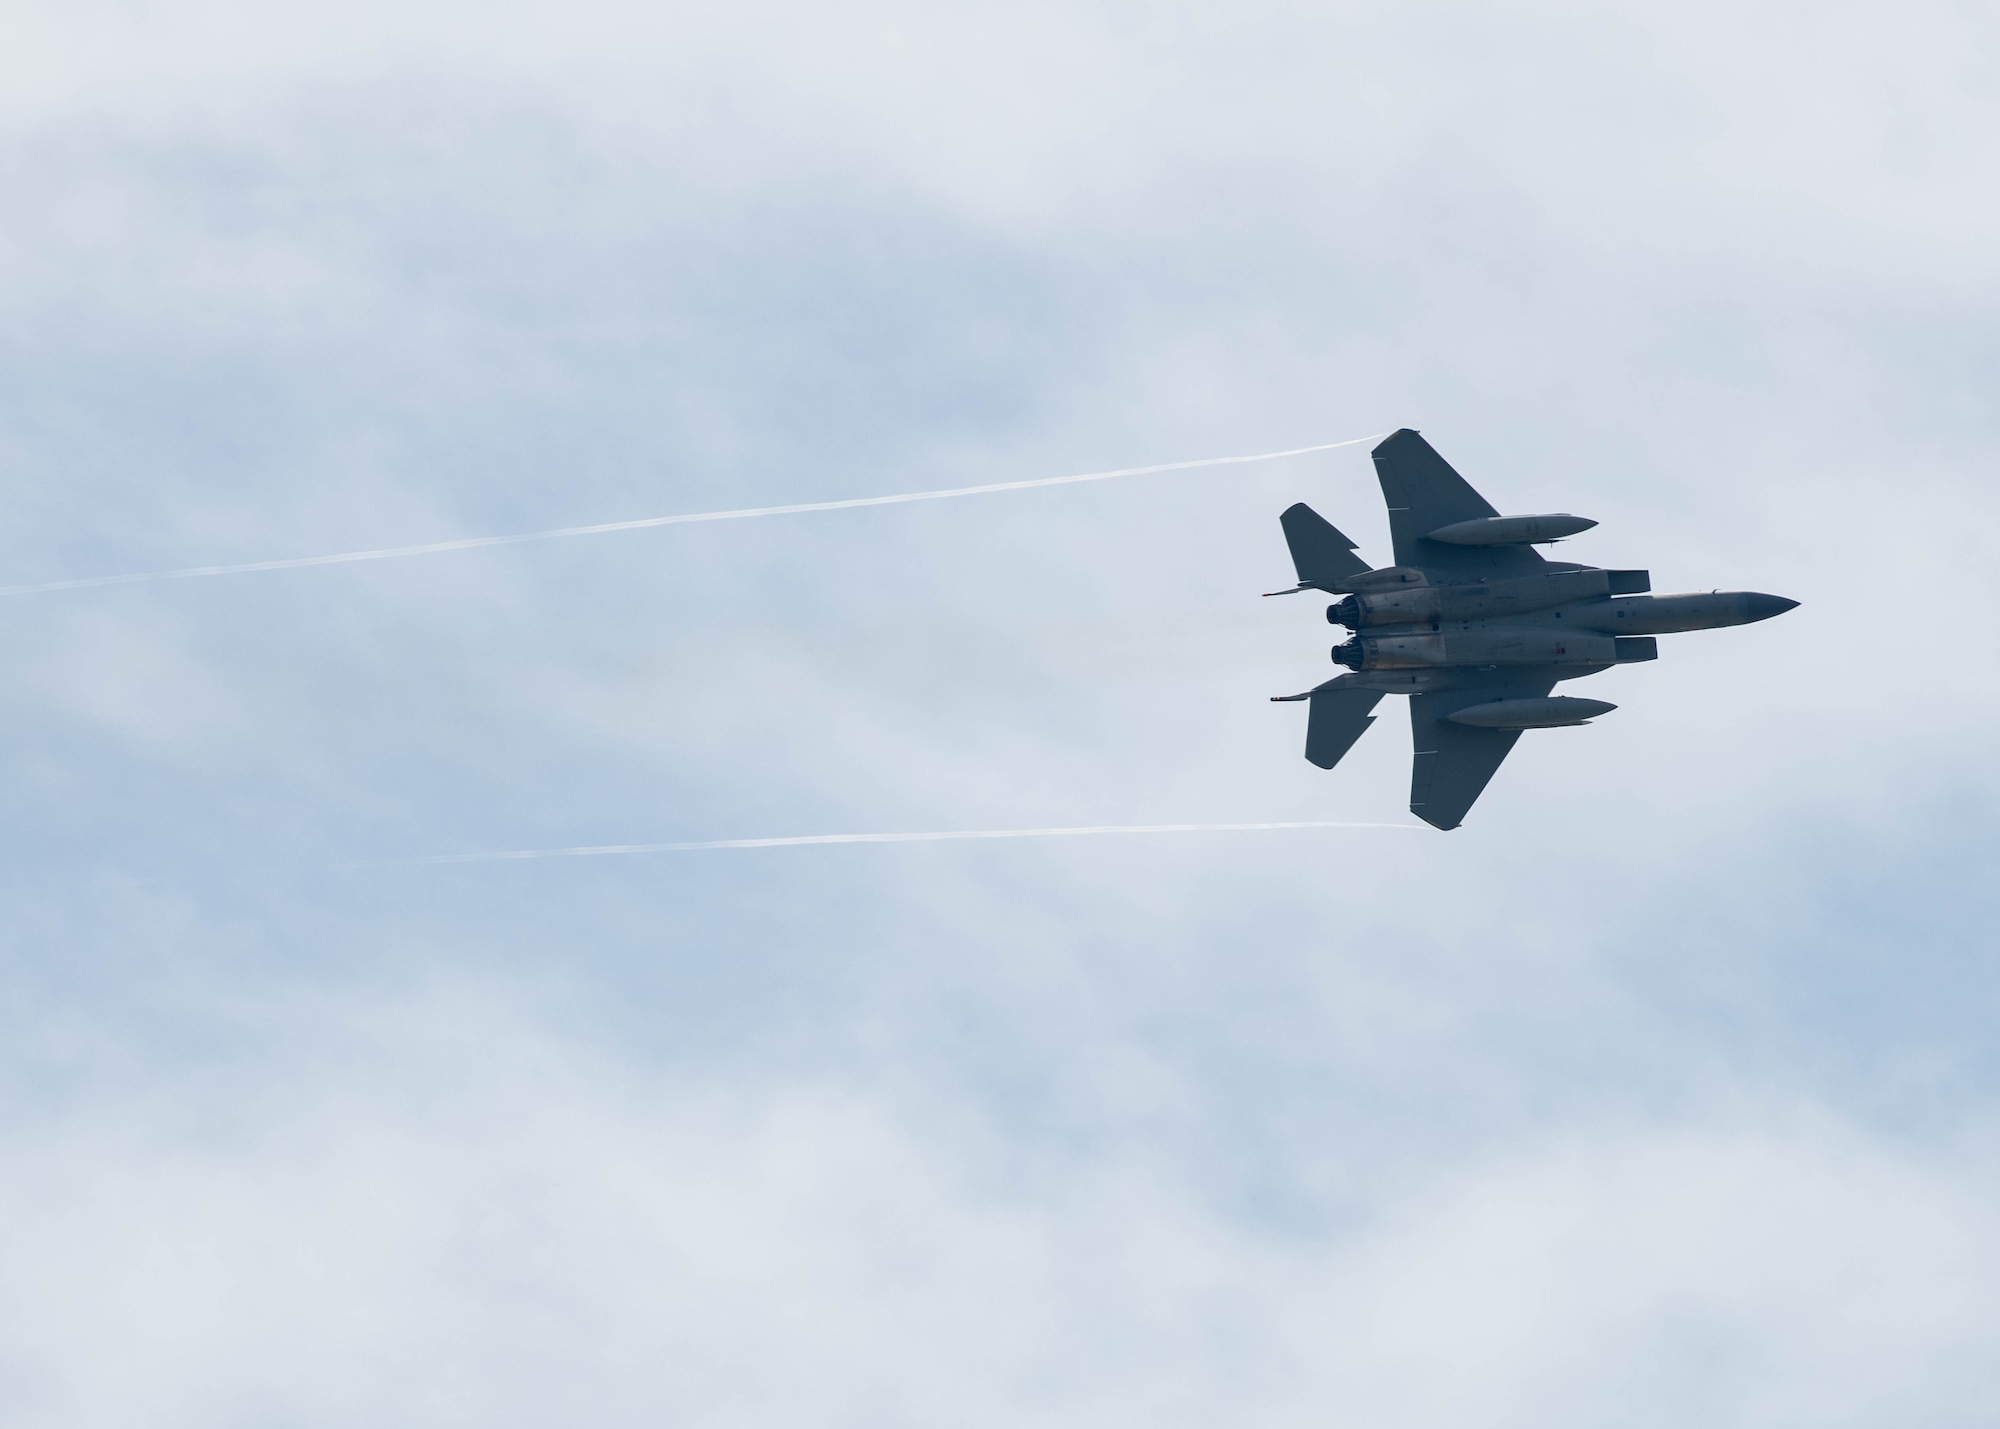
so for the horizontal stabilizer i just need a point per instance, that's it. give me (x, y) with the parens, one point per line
(1340, 715)
(1322, 556)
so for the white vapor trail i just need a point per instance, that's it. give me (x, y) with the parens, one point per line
(474, 543)
(799, 840)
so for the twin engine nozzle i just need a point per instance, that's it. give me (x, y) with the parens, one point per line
(1345, 612)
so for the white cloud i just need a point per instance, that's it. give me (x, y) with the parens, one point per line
(1488, 1128)
(461, 1218)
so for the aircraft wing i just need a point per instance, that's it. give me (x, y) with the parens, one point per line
(1424, 493)
(1454, 762)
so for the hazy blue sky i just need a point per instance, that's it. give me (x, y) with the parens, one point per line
(1665, 1092)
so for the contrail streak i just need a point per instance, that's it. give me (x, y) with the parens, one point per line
(800, 840)
(474, 543)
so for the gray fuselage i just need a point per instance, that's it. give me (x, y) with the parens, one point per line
(1567, 619)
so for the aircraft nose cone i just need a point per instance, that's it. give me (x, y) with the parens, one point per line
(1763, 607)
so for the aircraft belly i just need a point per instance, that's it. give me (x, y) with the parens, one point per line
(1486, 646)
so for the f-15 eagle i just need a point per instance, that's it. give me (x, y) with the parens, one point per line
(1474, 626)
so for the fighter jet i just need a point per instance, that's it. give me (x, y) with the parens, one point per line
(1474, 626)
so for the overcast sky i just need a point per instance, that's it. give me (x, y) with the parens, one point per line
(1665, 1091)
